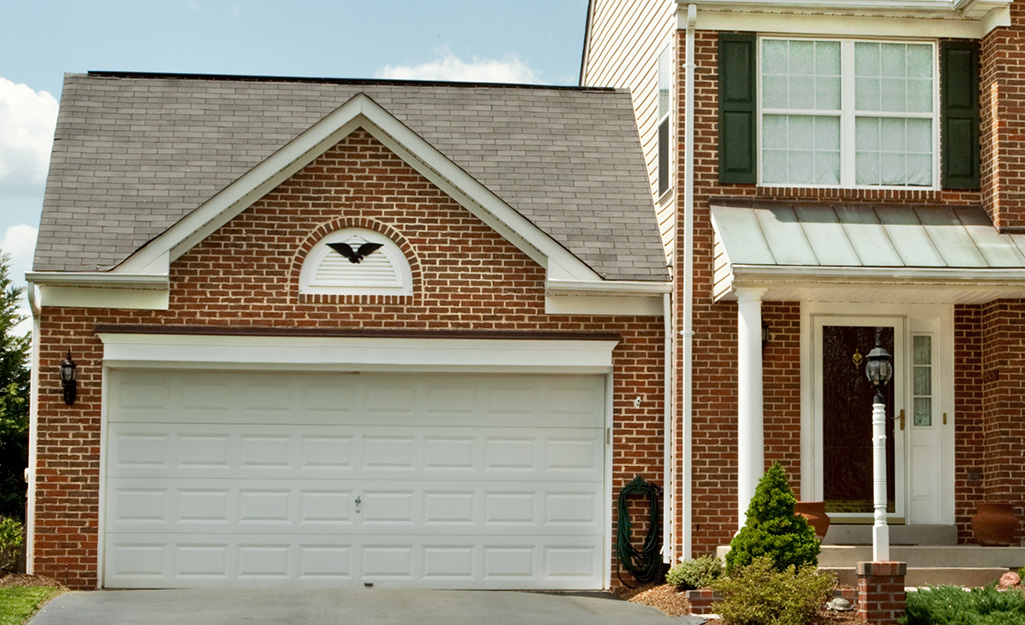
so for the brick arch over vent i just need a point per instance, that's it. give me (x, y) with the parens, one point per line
(334, 225)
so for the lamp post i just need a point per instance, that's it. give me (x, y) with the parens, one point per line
(879, 370)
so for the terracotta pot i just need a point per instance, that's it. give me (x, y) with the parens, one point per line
(815, 512)
(995, 524)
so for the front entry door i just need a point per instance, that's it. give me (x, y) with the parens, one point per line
(845, 416)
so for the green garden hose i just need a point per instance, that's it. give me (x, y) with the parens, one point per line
(644, 563)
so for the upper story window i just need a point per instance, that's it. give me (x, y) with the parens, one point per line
(839, 113)
(665, 83)
(848, 113)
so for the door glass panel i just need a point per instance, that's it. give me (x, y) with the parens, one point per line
(922, 383)
(847, 419)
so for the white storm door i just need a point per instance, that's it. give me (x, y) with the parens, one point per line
(929, 423)
(257, 479)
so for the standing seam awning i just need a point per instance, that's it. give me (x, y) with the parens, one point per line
(865, 252)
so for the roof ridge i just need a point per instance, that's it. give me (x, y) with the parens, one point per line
(336, 81)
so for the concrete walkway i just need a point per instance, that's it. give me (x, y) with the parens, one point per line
(348, 607)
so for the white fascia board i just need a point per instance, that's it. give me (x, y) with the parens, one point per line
(101, 289)
(356, 353)
(358, 112)
(873, 284)
(883, 275)
(624, 297)
(605, 305)
(898, 20)
(104, 297)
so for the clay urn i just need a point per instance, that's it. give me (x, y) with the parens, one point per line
(815, 513)
(994, 524)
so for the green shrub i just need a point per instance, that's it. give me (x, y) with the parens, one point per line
(953, 605)
(10, 542)
(696, 573)
(772, 529)
(759, 594)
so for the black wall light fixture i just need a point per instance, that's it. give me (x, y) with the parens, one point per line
(69, 380)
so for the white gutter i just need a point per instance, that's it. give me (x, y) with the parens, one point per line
(33, 429)
(611, 287)
(99, 279)
(879, 275)
(688, 279)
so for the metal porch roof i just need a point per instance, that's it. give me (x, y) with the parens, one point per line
(873, 245)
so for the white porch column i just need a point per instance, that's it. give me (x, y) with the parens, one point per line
(750, 426)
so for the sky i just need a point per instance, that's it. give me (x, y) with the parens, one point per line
(521, 41)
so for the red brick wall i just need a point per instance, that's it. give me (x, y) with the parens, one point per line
(1003, 116)
(714, 430)
(466, 277)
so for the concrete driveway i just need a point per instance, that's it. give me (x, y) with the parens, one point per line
(349, 607)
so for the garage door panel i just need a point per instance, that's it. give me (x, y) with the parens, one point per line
(322, 452)
(138, 506)
(308, 398)
(273, 479)
(254, 560)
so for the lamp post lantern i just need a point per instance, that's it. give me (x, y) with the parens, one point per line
(879, 370)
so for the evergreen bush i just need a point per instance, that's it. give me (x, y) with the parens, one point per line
(10, 542)
(772, 529)
(696, 573)
(759, 594)
(954, 605)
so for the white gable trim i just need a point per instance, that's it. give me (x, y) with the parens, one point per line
(359, 112)
(970, 19)
(357, 353)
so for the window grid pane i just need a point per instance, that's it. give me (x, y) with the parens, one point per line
(892, 104)
(893, 151)
(801, 149)
(922, 381)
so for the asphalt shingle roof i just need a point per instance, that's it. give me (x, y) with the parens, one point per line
(134, 154)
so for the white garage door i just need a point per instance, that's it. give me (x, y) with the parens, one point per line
(444, 481)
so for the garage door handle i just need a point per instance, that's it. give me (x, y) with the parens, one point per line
(359, 500)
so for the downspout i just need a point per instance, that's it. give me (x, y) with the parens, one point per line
(669, 403)
(688, 278)
(33, 429)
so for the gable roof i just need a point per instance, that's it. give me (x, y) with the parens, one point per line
(135, 154)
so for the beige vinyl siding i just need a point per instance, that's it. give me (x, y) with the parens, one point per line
(623, 43)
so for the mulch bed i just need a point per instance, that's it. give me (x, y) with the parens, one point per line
(21, 579)
(667, 599)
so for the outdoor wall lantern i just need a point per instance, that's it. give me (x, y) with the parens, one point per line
(69, 380)
(879, 370)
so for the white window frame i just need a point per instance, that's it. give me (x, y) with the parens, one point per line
(848, 115)
(664, 82)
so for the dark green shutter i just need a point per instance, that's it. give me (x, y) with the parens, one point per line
(959, 111)
(737, 108)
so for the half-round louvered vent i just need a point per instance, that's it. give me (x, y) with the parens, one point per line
(355, 261)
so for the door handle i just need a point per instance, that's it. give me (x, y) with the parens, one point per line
(901, 417)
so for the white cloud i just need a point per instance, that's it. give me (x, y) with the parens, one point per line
(451, 68)
(19, 242)
(27, 120)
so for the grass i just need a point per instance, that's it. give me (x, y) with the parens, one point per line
(18, 603)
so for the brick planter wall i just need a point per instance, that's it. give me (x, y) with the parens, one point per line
(881, 593)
